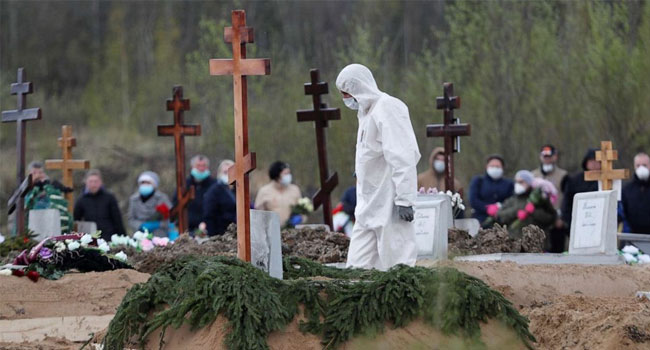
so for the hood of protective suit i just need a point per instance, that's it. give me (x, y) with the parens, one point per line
(357, 80)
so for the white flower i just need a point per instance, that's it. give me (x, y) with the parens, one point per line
(68, 241)
(85, 240)
(644, 258)
(104, 247)
(120, 256)
(100, 241)
(5, 272)
(59, 247)
(629, 258)
(630, 249)
(2, 238)
(73, 245)
(139, 235)
(133, 243)
(462, 206)
(449, 193)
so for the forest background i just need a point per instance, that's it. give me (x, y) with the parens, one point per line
(570, 73)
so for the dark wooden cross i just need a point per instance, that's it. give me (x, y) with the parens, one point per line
(20, 115)
(179, 130)
(321, 115)
(607, 174)
(239, 67)
(451, 130)
(19, 193)
(67, 164)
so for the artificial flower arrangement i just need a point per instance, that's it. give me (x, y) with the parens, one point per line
(298, 211)
(141, 241)
(457, 205)
(54, 256)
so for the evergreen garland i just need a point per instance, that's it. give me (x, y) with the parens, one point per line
(338, 305)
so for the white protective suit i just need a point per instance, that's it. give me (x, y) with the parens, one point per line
(386, 158)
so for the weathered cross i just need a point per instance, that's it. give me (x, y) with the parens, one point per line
(451, 130)
(20, 115)
(607, 174)
(239, 67)
(19, 193)
(67, 164)
(179, 131)
(321, 115)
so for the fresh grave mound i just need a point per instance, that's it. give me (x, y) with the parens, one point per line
(574, 306)
(221, 298)
(496, 240)
(60, 314)
(311, 243)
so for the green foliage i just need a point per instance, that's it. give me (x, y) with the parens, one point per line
(17, 243)
(339, 304)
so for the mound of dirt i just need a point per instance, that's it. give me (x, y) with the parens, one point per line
(496, 240)
(312, 243)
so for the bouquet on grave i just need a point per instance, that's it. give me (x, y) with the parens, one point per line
(457, 205)
(141, 241)
(17, 243)
(299, 210)
(54, 256)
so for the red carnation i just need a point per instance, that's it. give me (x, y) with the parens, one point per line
(163, 209)
(33, 275)
(19, 273)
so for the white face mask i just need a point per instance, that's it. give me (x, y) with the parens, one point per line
(519, 188)
(439, 166)
(286, 179)
(495, 172)
(642, 173)
(547, 168)
(351, 103)
(223, 178)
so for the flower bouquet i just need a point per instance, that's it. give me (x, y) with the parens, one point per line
(141, 241)
(301, 209)
(54, 256)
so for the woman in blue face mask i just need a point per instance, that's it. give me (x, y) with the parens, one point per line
(147, 206)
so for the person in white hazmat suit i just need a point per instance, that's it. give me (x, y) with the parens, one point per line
(385, 164)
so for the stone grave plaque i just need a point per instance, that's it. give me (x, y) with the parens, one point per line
(88, 227)
(433, 217)
(266, 243)
(593, 228)
(45, 223)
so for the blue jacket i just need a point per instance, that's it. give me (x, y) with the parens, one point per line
(349, 201)
(219, 208)
(195, 206)
(636, 205)
(483, 190)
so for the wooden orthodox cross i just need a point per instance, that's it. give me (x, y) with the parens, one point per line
(321, 115)
(451, 130)
(21, 115)
(607, 174)
(67, 164)
(179, 130)
(239, 67)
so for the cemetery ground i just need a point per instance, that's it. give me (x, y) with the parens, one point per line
(569, 306)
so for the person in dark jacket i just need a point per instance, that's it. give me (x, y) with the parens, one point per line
(636, 196)
(527, 206)
(219, 208)
(349, 201)
(490, 189)
(576, 184)
(99, 206)
(201, 179)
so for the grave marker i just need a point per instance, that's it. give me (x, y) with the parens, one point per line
(593, 228)
(266, 242)
(433, 219)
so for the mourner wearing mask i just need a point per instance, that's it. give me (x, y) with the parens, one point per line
(636, 196)
(488, 191)
(280, 194)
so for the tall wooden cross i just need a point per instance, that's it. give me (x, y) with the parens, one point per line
(67, 164)
(321, 115)
(451, 130)
(607, 174)
(20, 115)
(239, 67)
(179, 130)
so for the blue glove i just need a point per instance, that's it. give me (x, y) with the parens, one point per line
(150, 225)
(295, 220)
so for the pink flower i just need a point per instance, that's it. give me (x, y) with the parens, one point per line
(530, 208)
(522, 215)
(492, 209)
(147, 244)
(160, 241)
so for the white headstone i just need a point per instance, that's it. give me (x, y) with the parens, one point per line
(88, 227)
(44, 223)
(593, 223)
(433, 217)
(266, 242)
